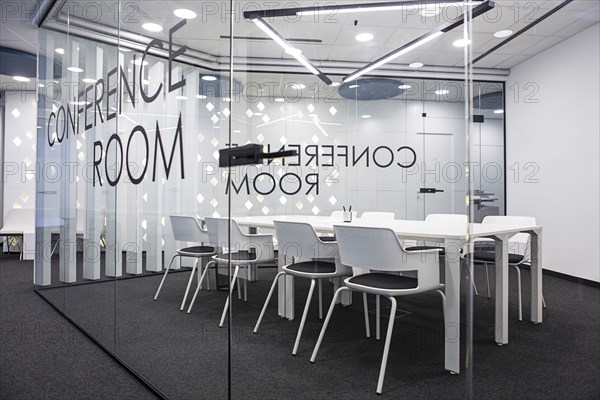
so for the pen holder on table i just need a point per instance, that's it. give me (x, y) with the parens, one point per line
(347, 215)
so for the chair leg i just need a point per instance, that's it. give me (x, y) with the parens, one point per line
(246, 284)
(262, 312)
(366, 307)
(320, 299)
(304, 314)
(187, 290)
(204, 273)
(487, 280)
(386, 349)
(543, 301)
(472, 272)
(377, 317)
(233, 280)
(164, 276)
(327, 318)
(239, 289)
(519, 292)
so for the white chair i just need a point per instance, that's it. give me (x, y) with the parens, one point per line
(378, 215)
(187, 229)
(519, 250)
(300, 241)
(338, 215)
(378, 249)
(244, 250)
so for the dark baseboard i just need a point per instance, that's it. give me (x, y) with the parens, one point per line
(571, 278)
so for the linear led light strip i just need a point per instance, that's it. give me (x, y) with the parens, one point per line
(482, 8)
(383, 7)
(289, 49)
(393, 55)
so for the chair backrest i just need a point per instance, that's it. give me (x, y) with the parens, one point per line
(20, 220)
(378, 249)
(187, 229)
(299, 239)
(219, 231)
(519, 243)
(379, 215)
(338, 214)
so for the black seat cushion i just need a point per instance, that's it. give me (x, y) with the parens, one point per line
(489, 255)
(327, 238)
(421, 248)
(242, 255)
(313, 267)
(385, 281)
(198, 250)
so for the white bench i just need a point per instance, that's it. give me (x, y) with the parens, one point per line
(20, 222)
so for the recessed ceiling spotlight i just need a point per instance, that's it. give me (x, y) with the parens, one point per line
(41, 85)
(298, 86)
(498, 111)
(461, 42)
(364, 37)
(21, 79)
(353, 86)
(185, 13)
(75, 69)
(416, 65)
(366, 116)
(152, 27)
(237, 131)
(335, 84)
(89, 80)
(503, 33)
(226, 99)
(442, 92)
(60, 50)
(258, 114)
(280, 100)
(404, 87)
(200, 96)
(209, 78)
(181, 97)
(293, 51)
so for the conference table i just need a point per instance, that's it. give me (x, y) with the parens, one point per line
(454, 237)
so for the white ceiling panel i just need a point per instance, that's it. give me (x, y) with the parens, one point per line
(512, 61)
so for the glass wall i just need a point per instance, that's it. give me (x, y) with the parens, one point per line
(138, 101)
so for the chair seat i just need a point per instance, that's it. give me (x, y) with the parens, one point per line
(423, 248)
(242, 256)
(382, 281)
(327, 238)
(489, 256)
(311, 268)
(196, 251)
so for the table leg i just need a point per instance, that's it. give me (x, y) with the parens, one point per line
(285, 292)
(501, 266)
(452, 291)
(536, 276)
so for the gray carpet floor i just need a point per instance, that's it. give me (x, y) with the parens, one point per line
(42, 356)
(185, 356)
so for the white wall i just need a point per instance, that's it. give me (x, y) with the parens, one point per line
(559, 133)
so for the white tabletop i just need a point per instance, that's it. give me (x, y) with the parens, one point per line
(412, 229)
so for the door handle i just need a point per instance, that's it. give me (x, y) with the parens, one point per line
(430, 190)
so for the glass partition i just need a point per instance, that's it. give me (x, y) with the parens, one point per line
(140, 105)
